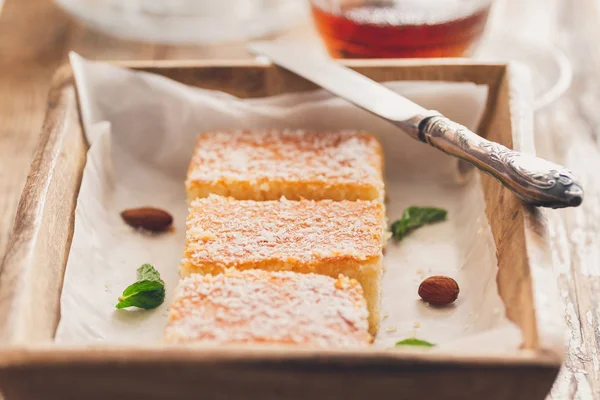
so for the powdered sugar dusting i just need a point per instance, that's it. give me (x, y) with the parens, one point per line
(231, 232)
(273, 307)
(288, 155)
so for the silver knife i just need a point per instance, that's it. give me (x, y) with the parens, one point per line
(536, 181)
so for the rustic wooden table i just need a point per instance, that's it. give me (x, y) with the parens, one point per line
(35, 37)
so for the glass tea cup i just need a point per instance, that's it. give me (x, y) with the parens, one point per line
(187, 22)
(400, 28)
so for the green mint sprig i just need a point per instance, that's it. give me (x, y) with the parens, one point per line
(414, 342)
(147, 293)
(415, 217)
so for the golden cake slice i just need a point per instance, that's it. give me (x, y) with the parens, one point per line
(255, 306)
(265, 165)
(325, 237)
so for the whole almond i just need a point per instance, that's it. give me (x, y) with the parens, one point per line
(439, 290)
(148, 218)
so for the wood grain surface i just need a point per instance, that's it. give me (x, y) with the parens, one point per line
(35, 38)
(568, 131)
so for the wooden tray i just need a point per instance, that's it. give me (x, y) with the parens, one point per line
(32, 366)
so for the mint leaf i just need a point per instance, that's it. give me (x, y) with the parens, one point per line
(414, 342)
(415, 217)
(148, 292)
(147, 272)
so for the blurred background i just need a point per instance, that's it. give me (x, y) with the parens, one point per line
(482, 29)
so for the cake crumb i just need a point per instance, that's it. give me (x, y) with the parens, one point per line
(391, 329)
(385, 315)
(417, 324)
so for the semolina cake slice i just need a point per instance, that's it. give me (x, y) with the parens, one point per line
(255, 306)
(325, 237)
(269, 164)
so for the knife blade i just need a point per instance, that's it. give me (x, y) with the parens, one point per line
(536, 181)
(343, 82)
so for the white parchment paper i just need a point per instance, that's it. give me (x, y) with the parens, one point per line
(142, 129)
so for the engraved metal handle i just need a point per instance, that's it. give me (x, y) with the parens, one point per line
(536, 181)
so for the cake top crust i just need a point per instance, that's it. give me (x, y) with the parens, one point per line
(269, 307)
(228, 231)
(287, 155)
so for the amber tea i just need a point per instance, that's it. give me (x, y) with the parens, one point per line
(401, 28)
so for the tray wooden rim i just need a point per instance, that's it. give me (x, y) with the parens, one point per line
(52, 354)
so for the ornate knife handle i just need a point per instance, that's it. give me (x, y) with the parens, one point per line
(536, 181)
